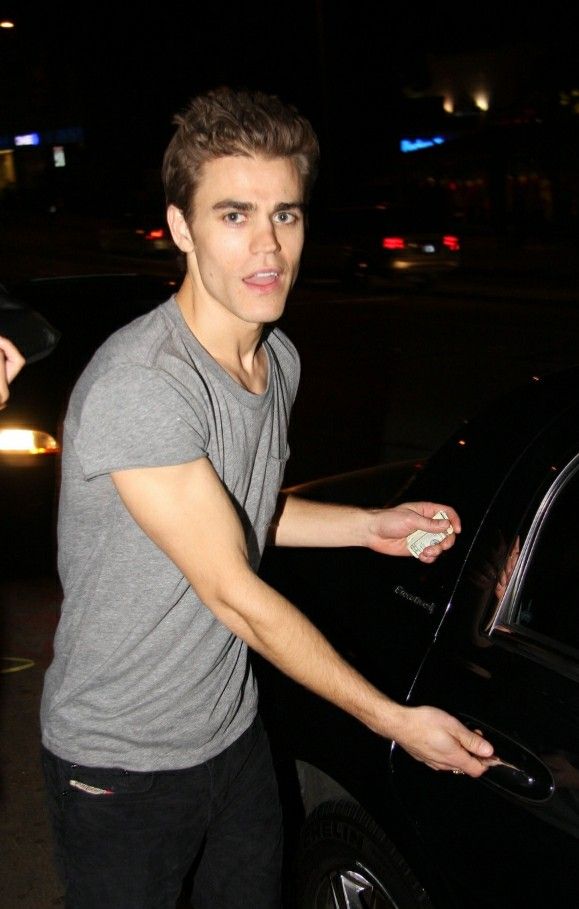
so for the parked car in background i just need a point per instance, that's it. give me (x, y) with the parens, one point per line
(85, 310)
(136, 233)
(489, 633)
(26, 328)
(402, 242)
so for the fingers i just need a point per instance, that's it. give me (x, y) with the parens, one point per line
(4, 393)
(431, 553)
(476, 754)
(470, 766)
(426, 520)
(402, 530)
(438, 524)
(474, 742)
(11, 361)
(442, 742)
(450, 526)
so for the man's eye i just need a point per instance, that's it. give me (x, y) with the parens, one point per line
(286, 217)
(234, 217)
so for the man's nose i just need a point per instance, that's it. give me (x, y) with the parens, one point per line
(265, 238)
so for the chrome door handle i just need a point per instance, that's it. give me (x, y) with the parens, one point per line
(514, 768)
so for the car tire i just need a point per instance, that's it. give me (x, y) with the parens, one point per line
(345, 861)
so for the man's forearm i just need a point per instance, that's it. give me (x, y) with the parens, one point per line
(285, 637)
(279, 632)
(301, 522)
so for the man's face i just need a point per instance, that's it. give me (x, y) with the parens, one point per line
(246, 237)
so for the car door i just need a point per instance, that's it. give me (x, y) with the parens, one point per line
(506, 661)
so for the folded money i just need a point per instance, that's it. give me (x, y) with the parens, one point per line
(420, 539)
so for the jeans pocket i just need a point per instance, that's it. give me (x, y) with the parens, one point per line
(102, 782)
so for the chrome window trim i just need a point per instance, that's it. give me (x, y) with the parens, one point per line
(502, 619)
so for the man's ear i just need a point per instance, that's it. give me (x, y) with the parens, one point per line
(179, 230)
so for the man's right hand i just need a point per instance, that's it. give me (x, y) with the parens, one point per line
(441, 741)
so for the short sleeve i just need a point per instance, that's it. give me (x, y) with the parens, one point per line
(134, 416)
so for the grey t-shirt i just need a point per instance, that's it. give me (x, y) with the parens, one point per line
(144, 676)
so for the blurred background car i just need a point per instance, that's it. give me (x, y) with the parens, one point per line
(489, 633)
(402, 242)
(32, 334)
(85, 310)
(136, 232)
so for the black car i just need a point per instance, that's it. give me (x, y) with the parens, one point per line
(140, 234)
(405, 243)
(489, 633)
(85, 310)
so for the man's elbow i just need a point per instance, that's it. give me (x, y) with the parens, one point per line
(230, 596)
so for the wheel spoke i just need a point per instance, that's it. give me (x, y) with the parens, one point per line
(352, 890)
(345, 861)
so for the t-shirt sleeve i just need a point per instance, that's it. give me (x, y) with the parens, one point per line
(134, 416)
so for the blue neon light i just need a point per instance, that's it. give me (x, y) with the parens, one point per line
(28, 139)
(412, 145)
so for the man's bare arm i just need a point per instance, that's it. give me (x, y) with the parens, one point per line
(301, 522)
(187, 512)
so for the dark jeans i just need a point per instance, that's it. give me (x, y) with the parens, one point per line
(131, 847)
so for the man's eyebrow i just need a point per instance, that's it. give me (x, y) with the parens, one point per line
(283, 206)
(233, 203)
(236, 205)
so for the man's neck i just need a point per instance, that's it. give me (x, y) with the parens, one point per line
(234, 344)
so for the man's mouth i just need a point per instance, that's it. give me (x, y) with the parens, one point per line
(262, 278)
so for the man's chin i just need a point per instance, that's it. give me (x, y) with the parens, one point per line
(269, 308)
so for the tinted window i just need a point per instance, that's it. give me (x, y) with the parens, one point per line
(547, 601)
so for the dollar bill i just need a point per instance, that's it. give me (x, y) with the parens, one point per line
(420, 539)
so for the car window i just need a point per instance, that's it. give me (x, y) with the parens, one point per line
(540, 600)
(547, 601)
(375, 222)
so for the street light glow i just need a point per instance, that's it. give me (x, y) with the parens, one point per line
(481, 100)
(6, 23)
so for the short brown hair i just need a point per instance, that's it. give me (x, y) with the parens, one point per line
(228, 122)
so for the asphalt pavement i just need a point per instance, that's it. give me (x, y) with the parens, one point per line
(29, 607)
(29, 613)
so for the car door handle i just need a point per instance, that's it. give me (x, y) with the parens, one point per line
(505, 774)
(514, 769)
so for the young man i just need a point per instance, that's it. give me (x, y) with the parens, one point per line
(174, 450)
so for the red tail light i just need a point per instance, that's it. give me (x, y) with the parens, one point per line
(452, 243)
(157, 234)
(393, 243)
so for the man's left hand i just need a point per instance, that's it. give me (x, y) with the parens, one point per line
(390, 527)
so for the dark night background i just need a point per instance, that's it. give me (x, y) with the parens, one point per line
(122, 70)
(387, 371)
